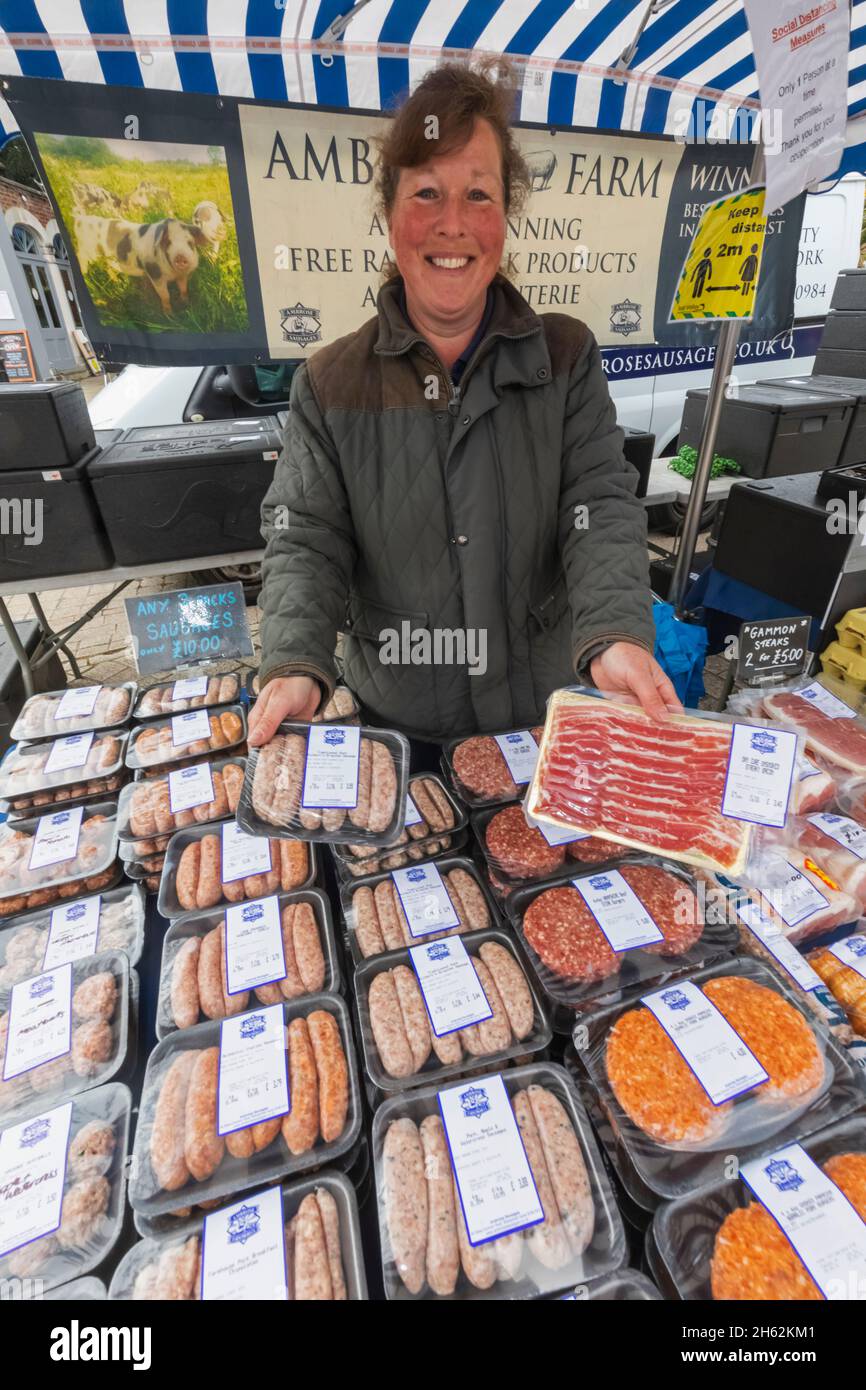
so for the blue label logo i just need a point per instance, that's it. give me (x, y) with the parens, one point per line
(763, 741)
(675, 999)
(243, 1224)
(253, 913)
(514, 738)
(600, 882)
(35, 1133)
(252, 1025)
(474, 1102)
(43, 984)
(439, 951)
(857, 945)
(416, 875)
(335, 736)
(784, 1175)
(60, 818)
(73, 913)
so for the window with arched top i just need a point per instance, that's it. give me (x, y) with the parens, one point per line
(25, 240)
(58, 247)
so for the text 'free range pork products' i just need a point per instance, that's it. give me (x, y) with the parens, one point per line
(654, 784)
(839, 741)
(425, 1242)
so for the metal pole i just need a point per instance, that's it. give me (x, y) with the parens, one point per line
(724, 361)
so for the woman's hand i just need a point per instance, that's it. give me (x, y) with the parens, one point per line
(290, 697)
(625, 669)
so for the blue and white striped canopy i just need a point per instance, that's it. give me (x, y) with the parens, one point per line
(592, 63)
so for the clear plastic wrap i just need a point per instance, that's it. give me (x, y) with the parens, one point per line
(410, 1147)
(574, 958)
(310, 955)
(145, 810)
(168, 1127)
(221, 688)
(842, 968)
(81, 840)
(818, 710)
(24, 940)
(665, 786)
(814, 788)
(76, 710)
(192, 873)
(399, 1048)
(434, 826)
(354, 790)
(835, 843)
(376, 921)
(92, 1211)
(794, 892)
(488, 769)
(25, 784)
(623, 1286)
(721, 1243)
(97, 1046)
(88, 1290)
(518, 853)
(152, 1270)
(661, 1116)
(156, 744)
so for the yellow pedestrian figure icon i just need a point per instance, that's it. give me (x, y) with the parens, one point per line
(719, 278)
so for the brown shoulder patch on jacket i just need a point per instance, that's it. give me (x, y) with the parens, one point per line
(349, 375)
(566, 339)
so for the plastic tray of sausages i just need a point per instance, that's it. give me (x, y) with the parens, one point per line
(401, 1048)
(177, 1116)
(192, 981)
(193, 689)
(721, 1243)
(97, 1040)
(24, 939)
(435, 824)
(342, 708)
(323, 1256)
(91, 868)
(192, 873)
(76, 710)
(25, 784)
(661, 1116)
(581, 1238)
(92, 1209)
(376, 921)
(483, 773)
(161, 742)
(145, 809)
(365, 771)
(572, 956)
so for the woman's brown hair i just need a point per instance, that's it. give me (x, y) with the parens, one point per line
(456, 95)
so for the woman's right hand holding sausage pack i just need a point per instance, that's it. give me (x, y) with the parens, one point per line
(288, 697)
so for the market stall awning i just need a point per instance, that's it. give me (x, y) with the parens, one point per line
(608, 64)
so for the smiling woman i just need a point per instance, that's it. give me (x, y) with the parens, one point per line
(454, 466)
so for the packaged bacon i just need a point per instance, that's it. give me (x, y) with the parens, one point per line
(689, 786)
(715, 1066)
(814, 789)
(834, 734)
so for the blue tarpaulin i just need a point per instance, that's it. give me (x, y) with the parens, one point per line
(681, 650)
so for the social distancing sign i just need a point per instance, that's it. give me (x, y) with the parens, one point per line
(719, 278)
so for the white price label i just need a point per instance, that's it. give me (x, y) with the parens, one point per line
(851, 952)
(792, 895)
(425, 900)
(242, 854)
(32, 1172)
(254, 945)
(844, 831)
(520, 752)
(190, 688)
(759, 776)
(189, 787)
(191, 727)
(450, 985)
(253, 1083)
(331, 766)
(709, 1046)
(556, 834)
(816, 1217)
(69, 752)
(785, 952)
(495, 1185)
(243, 1251)
(618, 911)
(56, 838)
(73, 933)
(40, 1021)
(829, 704)
(78, 703)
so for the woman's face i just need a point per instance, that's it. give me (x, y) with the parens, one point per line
(447, 226)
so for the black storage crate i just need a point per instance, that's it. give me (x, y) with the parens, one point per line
(45, 425)
(849, 291)
(638, 448)
(772, 430)
(854, 447)
(175, 494)
(73, 539)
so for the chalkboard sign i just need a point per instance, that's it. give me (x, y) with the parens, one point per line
(16, 361)
(188, 625)
(772, 649)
